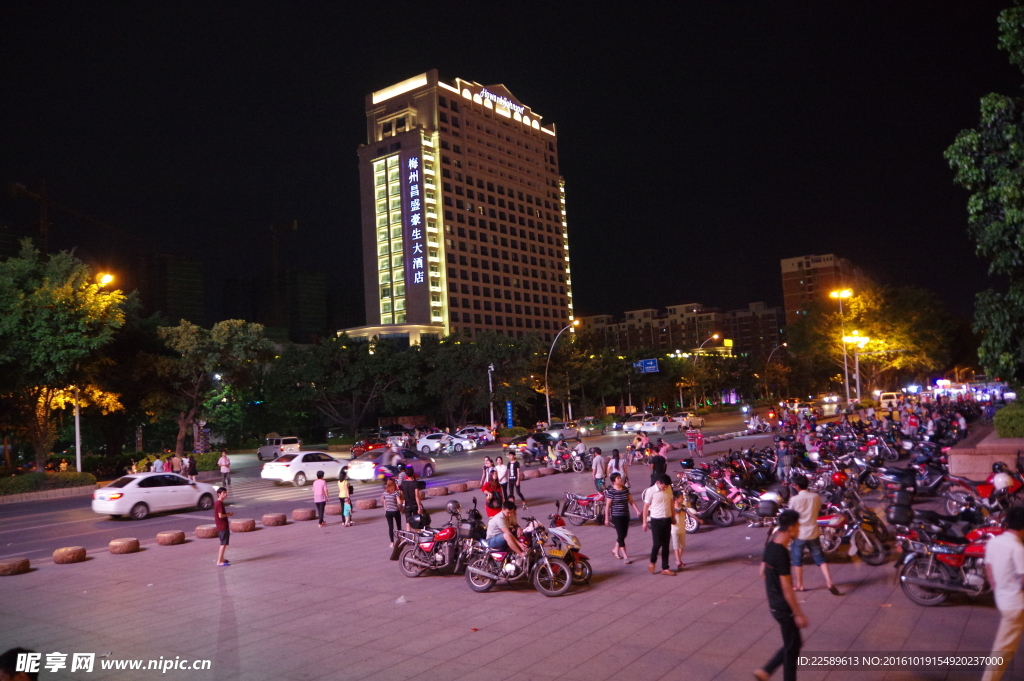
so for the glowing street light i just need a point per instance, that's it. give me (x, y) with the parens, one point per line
(547, 392)
(712, 337)
(840, 295)
(860, 341)
(104, 279)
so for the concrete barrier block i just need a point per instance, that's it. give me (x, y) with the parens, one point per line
(13, 566)
(333, 509)
(437, 491)
(206, 532)
(274, 519)
(472, 484)
(458, 487)
(366, 504)
(171, 537)
(69, 554)
(546, 471)
(529, 473)
(242, 524)
(304, 514)
(127, 545)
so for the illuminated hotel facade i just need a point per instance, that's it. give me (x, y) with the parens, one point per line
(463, 210)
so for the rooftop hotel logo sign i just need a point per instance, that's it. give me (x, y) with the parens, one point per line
(414, 253)
(504, 102)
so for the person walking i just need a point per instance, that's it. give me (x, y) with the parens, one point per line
(158, 465)
(600, 469)
(412, 496)
(700, 443)
(775, 571)
(658, 516)
(392, 499)
(1004, 565)
(186, 462)
(193, 468)
(514, 478)
(616, 464)
(320, 497)
(220, 519)
(808, 505)
(679, 509)
(502, 470)
(345, 497)
(691, 439)
(225, 467)
(658, 466)
(176, 464)
(617, 502)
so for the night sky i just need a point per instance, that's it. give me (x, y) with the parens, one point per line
(700, 142)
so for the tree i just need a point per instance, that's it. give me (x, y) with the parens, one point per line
(988, 163)
(53, 317)
(230, 352)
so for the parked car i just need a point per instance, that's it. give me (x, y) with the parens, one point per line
(366, 445)
(276, 446)
(689, 419)
(588, 425)
(140, 494)
(660, 425)
(518, 444)
(888, 400)
(632, 424)
(301, 467)
(478, 433)
(563, 431)
(429, 444)
(374, 465)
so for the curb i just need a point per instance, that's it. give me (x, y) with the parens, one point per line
(58, 493)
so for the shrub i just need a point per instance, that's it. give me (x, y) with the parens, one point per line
(207, 462)
(512, 432)
(1009, 420)
(38, 482)
(341, 441)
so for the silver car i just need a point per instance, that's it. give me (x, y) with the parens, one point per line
(564, 431)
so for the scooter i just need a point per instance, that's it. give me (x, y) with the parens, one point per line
(567, 547)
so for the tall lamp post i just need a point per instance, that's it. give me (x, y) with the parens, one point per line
(696, 355)
(490, 388)
(547, 392)
(860, 341)
(101, 281)
(770, 355)
(840, 295)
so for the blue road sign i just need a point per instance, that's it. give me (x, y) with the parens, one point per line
(646, 366)
(508, 412)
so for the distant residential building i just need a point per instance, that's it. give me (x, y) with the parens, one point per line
(171, 285)
(808, 279)
(296, 311)
(753, 331)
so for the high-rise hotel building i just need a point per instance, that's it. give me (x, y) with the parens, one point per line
(464, 223)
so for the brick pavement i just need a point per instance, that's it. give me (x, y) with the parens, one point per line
(300, 603)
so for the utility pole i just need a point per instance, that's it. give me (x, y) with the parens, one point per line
(490, 388)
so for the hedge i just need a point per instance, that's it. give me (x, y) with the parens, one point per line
(512, 432)
(1009, 420)
(38, 482)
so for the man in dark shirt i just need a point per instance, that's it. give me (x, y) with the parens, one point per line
(659, 467)
(220, 517)
(412, 492)
(775, 570)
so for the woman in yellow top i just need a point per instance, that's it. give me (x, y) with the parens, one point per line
(345, 497)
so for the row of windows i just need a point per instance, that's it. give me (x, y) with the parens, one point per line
(522, 234)
(515, 269)
(445, 144)
(526, 260)
(528, 323)
(530, 128)
(509, 307)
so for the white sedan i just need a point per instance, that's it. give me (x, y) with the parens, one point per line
(301, 467)
(689, 419)
(140, 494)
(660, 425)
(633, 423)
(563, 431)
(429, 444)
(477, 433)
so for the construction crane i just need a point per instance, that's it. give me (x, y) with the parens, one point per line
(46, 204)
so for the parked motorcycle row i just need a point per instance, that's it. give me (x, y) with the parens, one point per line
(552, 564)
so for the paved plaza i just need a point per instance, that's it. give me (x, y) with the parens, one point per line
(300, 603)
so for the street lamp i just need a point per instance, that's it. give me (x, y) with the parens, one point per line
(712, 337)
(767, 363)
(547, 392)
(839, 295)
(490, 388)
(102, 280)
(860, 341)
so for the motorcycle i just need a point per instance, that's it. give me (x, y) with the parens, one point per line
(935, 566)
(579, 509)
(567, 547)
(852, 523)
(549, 575)
(581, 462)
(706, 503)
(449, 546)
